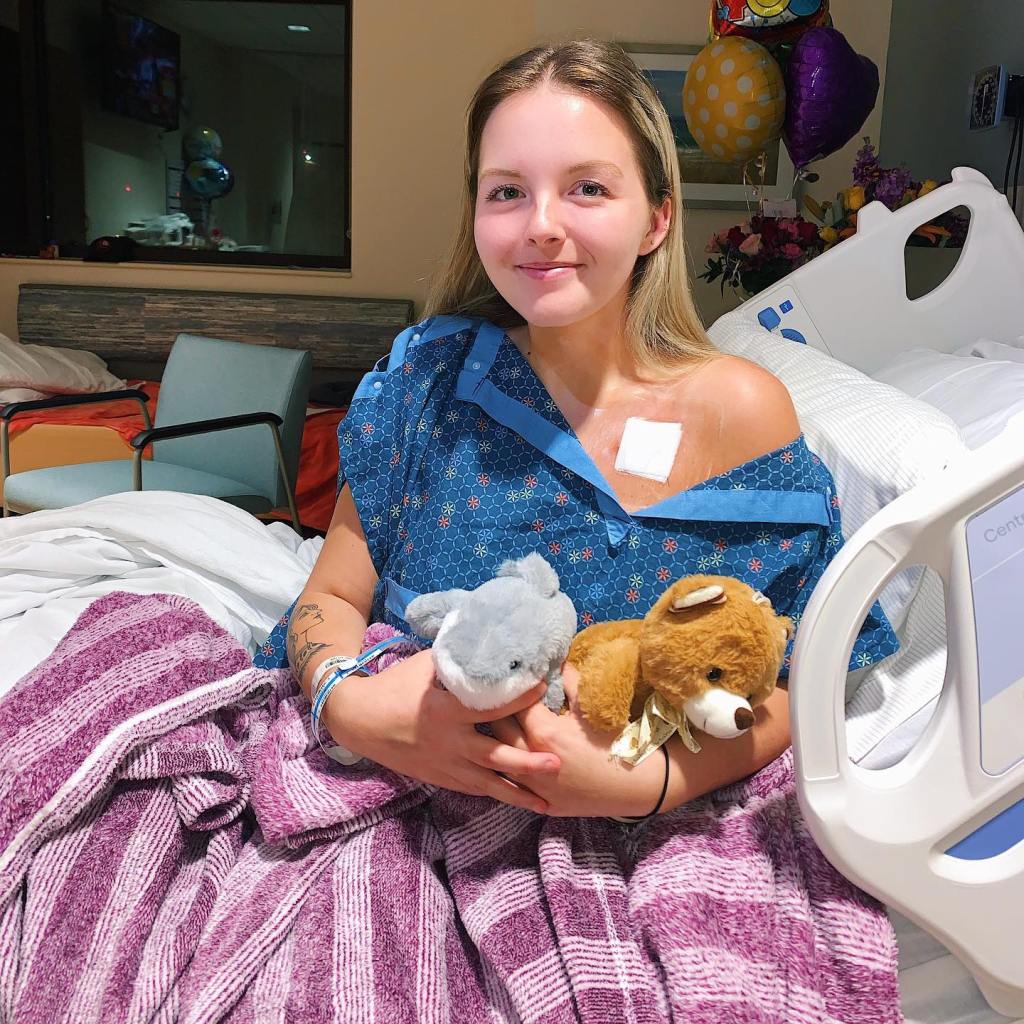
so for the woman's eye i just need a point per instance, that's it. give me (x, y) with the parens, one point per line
(601, 190)
(498, 192)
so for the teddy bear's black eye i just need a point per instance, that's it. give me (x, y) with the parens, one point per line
(513, 665)
(714, 675)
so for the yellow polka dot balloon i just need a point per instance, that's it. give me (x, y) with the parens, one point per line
(734, 98)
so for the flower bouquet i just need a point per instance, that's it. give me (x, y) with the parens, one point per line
(760, 251)
(894, 188)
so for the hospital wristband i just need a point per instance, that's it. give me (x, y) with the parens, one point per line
(320, 672)
(339, 669)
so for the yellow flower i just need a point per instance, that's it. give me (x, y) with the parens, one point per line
(926, 187)
(855, 197)
(829, 235)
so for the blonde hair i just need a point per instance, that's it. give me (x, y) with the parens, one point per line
(662, 325)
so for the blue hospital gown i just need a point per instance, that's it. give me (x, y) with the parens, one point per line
(458, 459)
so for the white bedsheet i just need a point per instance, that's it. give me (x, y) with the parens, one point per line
(980, 387)
(54, 563)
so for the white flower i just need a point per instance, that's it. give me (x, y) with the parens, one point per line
(633, 541)
(417, 501)
(436, 432)
(396, 511)
(739, 487)
(591, 517)
(512, 495)
(636, 580)
(452, 415)
(448, 508)
(451, 472)
(574, 556)
(376, 521)
(441, 367)
(480, 550)
(863, 659)
(703, 563)
(485, 446)
(716, 559)
(421, 426)
(764, 538)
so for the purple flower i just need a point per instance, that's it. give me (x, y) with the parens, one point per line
(865, 167)
(891, 185)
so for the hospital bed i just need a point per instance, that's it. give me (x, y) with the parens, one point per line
(841, 314)
(937, 833)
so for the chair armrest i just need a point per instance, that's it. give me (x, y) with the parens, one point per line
(146, 437)
(9, 411)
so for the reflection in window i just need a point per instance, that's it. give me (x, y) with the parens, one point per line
(201, 128)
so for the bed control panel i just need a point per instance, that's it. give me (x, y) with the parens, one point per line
(995, 552)
(780, 310)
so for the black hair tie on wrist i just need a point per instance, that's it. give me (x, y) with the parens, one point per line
(661, 798)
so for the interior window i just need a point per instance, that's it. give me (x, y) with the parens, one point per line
(197, 130)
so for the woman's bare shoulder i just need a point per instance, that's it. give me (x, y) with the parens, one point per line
(759, 413)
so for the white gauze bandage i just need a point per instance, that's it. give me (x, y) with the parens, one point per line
(648, 448)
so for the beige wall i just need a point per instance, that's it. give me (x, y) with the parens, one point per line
(415, 66)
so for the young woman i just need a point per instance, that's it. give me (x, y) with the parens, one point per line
(502, 424)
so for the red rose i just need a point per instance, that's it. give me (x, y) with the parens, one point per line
(736, 237)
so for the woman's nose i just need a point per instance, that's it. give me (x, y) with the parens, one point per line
(545, 226)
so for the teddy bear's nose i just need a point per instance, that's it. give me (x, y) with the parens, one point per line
(744, 718)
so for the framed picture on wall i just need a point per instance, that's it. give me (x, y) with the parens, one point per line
(707, 182)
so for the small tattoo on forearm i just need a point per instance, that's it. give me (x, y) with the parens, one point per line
(301, 650)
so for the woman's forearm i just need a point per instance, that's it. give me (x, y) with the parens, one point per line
(322, 625)
(722, 762)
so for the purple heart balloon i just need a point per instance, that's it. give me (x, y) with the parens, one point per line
(830, 90)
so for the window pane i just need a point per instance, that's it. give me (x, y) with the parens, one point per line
(14, 211)
(202, 125)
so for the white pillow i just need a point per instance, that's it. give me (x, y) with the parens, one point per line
(980, 395)
(877, 441)
(55, 371)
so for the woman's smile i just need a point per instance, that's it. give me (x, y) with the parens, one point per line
(548, 273)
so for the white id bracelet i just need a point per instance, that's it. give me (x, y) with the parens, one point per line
(324, 668)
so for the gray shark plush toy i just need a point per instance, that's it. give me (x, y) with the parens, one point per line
(493, 643)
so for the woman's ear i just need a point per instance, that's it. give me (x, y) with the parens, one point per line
(661, 219)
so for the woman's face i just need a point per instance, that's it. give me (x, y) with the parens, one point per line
(559, 185)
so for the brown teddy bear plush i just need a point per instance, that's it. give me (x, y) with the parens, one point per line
(710, 650)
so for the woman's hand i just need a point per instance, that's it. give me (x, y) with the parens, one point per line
(403, 719)
(589, 783)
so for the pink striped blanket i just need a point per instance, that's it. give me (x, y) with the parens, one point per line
(173, 847)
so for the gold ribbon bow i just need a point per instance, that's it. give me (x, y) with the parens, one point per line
(656, 724)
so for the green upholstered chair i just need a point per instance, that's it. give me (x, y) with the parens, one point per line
(228, 424)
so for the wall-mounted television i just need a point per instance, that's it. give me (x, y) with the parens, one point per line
(141, 68)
